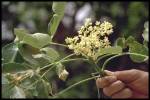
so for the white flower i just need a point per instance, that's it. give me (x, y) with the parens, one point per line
(90, 38)
(97, 23)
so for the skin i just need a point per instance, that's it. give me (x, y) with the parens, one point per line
(125, 84)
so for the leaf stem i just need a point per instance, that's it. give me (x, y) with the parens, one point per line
(53, 43)
(63, 61)
(57, 61)
(127, 53)
(74, 85)
(104, 57)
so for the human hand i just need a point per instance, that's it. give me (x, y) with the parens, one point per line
(124, 84)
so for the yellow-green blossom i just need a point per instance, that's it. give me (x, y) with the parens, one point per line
(90, 38)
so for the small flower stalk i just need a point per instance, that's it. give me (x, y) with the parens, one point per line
(90, 38)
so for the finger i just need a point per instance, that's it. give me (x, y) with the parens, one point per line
(109, 73)
(113, 88)
(127, 75)
(105, 81)
(125, 93)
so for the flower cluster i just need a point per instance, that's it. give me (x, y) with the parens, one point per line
(90, 38)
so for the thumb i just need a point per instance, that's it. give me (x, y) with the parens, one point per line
(127, 76)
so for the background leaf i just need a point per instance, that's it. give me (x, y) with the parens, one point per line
(136, 47)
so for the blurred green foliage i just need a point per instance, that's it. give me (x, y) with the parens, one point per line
(128, 19)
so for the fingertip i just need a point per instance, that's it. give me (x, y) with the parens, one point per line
(105, 81)
(109, 72)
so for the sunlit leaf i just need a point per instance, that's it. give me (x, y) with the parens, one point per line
(58, 9)
(20, 33)
(110, 50)
(53, 24)
(37, 40)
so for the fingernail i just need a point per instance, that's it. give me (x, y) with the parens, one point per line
(109, 72)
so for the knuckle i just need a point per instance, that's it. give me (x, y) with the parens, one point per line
(134, 70)
(120, 84)
(128, 92)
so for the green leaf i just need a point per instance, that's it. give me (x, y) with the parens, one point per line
(121, 42)
(53, 24)
(27, 51)
(20, 33)
(4, 80)
(145, 43)
(13, 67)
(110, 50)
(43, 89)
(136, 47)
(30, 86)
(51, 54)
(10, 90)
(5, 87)
(58, 9)
(37, 40)
(18, 92)
(129, 40)
(43, 59)
(9, 53)
(61, 71)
